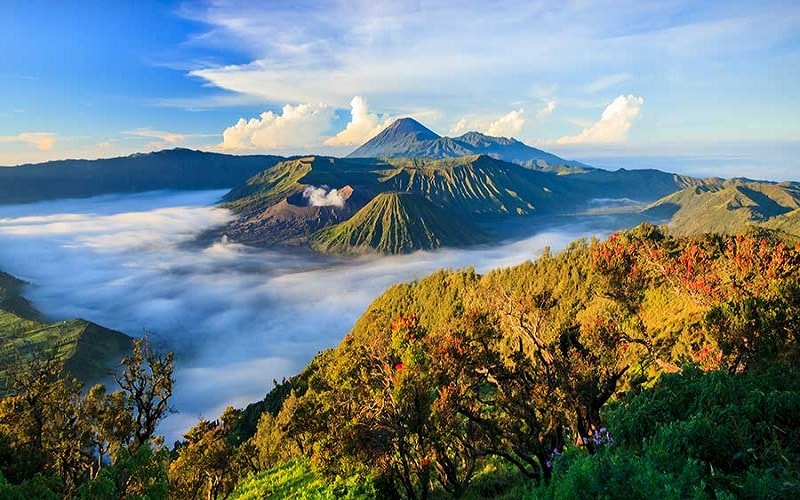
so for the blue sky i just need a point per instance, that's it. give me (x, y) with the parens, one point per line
(584, 79)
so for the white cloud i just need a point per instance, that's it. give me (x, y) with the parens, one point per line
(363, 125)
(43, 141)
(166, 137)
(508, 125)
(323, 197)
(613, 125)
(303, 125)
(463, 125)
(546, 110)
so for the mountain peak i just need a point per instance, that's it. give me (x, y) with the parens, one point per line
(403, 134)
(407, 137)
(411, 127)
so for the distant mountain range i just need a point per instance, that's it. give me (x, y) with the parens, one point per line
(181, 169)
(342, 205)
(449, 193)
(408, 138)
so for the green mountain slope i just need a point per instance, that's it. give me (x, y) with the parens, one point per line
(87, 349)
(273, 210)
(396, 223)
(477, 185)
(632, 358)
(730, 206)
(290, 177)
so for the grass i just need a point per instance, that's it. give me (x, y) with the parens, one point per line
(296, 479)
(87, 349)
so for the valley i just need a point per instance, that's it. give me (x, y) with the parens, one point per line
(247, 284)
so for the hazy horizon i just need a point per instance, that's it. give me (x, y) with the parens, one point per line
(771, 161)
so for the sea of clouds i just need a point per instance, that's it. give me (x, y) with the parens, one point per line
(237, 317)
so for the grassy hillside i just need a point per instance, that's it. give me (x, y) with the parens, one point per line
(296, 479)
(731, 206)
(269, 186)
(87, 349)
(477, 185)
(11, 299)
(397, 223)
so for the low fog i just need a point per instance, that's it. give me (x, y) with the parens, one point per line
(236, 317)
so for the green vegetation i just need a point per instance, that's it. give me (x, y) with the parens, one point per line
(57, 440)
(474, 184)
(296, 479)
(694, 435)
(270, 186)
(731, 206)
(86, 349)
(643, 366)
(396, 223)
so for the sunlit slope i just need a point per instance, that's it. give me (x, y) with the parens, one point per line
(273, 211)
(474, 184)
(477, 185)
(291, 176)
(87, 349)
(396, 223)
(731, 206)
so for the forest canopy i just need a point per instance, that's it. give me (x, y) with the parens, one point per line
(665, 365)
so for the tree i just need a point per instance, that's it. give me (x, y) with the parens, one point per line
(41, 421)
(210, 462)
(146, 381)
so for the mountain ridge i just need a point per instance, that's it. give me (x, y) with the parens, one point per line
(176, 169)
(87, 349)
(731, 205)
(407, 137)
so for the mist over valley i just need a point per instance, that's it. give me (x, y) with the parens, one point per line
(237, 317)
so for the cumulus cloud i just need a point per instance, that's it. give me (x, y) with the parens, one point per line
(461, 126)
(546, 110)
(323, 197)
(613, 125)
(237, 317)
(363, 125)
(44, 141)
(302, 125)
(508, 125)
